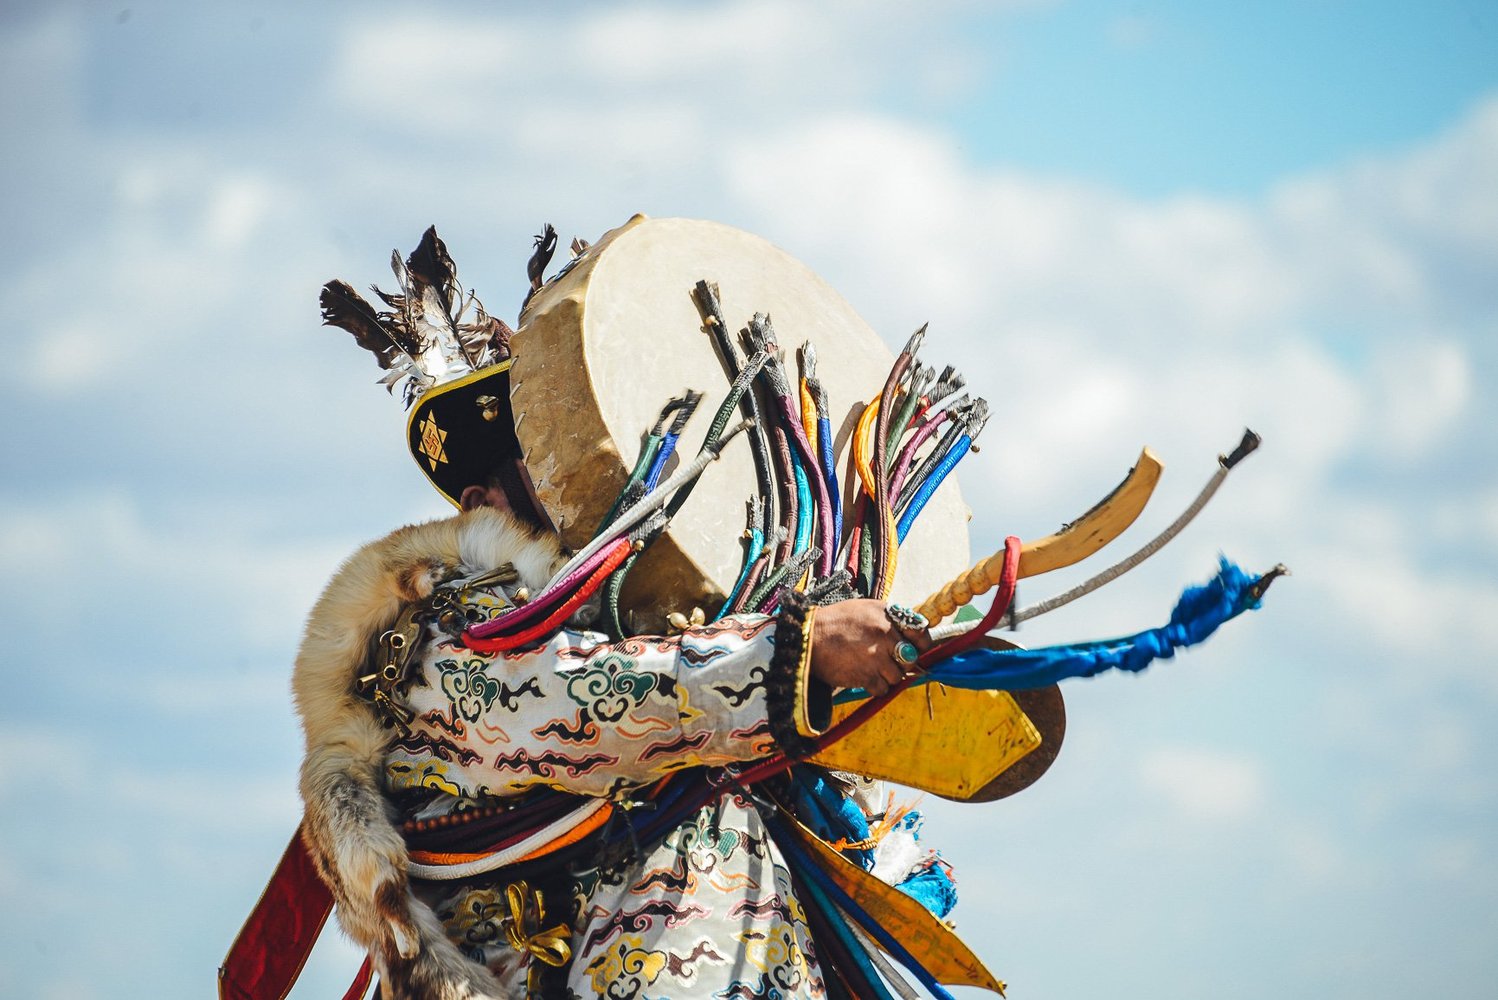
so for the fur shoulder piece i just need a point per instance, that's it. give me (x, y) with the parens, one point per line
(349, 826)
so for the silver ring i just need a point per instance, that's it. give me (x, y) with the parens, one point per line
(905, 619)
(906, 654)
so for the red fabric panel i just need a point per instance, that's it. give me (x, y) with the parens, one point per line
(360, 985)
(268, 955)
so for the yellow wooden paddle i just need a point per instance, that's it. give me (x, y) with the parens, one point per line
(1073, 543)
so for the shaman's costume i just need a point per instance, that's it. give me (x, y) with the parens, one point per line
(707, 909)
(514, 786)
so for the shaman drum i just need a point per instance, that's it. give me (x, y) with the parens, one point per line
(603, 346)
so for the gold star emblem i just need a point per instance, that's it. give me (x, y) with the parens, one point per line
(432, 438)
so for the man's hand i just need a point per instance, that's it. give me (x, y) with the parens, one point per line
(853, 646)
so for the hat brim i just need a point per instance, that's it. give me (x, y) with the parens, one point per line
(462, 433)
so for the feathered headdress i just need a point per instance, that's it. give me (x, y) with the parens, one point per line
(430, 332)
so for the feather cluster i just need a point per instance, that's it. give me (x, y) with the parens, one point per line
(429, 331)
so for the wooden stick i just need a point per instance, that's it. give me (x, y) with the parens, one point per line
(1073, 543)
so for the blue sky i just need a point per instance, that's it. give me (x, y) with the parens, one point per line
(1130, 224)
(1159, 98)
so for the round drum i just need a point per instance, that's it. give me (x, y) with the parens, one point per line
(607, 343)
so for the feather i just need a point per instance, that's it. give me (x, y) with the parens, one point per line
(394, 320)
(546, 245)
(430, 328)
(425, 324)
(432, 276)
(485, 339)
(431, 265)
(343, 307)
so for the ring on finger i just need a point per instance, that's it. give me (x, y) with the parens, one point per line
(905, 619)
(906, 654)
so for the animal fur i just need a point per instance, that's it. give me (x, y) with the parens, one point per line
(349, 827)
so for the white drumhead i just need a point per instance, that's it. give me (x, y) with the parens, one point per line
(602, 348)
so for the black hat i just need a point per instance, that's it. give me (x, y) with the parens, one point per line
(451, 360)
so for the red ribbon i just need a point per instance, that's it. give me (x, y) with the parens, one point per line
(268, 955)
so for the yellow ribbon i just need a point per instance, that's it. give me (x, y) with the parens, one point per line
(550, 946)
(863, 458)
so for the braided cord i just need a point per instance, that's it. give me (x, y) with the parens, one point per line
(720, 421)
(923, 495)
(636, 477)
(756, 545)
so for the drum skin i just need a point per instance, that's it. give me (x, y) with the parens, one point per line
(604, 345)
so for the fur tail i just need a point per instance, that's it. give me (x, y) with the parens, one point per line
(349, 828)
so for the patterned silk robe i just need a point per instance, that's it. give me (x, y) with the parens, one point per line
(707, 912)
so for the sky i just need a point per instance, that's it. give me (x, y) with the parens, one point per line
(1130, 224)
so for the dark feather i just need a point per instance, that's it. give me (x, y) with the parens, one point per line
(427, 328)
(546, 245)
(430, 265)
(343, 307)
(433, 277)
(396, 302)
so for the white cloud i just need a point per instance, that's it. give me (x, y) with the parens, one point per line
(1450, 858)
(1347, 315)
(1419, 390)
(1312, 850)
(40, 80)
(1204, 785)
(72, 358)
(1377, 588)
(1399, 237)
(734, 63)
(237, 207)
(24, 744)
(629, 46)
(173, 271)
(260, 587)
(69, 986)
(1486, 516)
(425, 73)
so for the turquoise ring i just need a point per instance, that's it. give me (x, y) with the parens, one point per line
(906, 653)
(905, 619)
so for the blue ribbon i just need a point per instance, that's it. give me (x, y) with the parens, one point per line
(756, 546)
(829, 814)
(808, 869)
(933, 888)
(1197, 615)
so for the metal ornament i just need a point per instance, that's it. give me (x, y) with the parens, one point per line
(906, 654)
(905, 619)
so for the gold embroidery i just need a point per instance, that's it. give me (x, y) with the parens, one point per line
(432, 438)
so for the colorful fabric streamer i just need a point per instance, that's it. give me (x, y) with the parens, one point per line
(1197, 615)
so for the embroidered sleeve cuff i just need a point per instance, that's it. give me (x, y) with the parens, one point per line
(800, 706)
